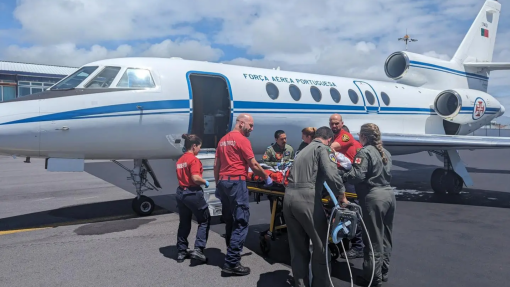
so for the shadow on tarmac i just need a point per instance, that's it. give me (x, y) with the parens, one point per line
(77, 214)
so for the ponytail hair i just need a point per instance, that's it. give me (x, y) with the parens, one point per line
(373, 136)
(310, 131)
(190, 140)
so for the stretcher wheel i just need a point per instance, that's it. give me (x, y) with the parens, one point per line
(334, 251)
(265, 245)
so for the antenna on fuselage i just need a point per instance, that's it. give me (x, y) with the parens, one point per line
(406, 39)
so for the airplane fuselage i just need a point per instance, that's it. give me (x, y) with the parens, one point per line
(115, 123)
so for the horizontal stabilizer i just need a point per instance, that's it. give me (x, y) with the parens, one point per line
(445, 142)
(491, 66)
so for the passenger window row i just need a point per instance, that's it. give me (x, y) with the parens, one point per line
(295, 93)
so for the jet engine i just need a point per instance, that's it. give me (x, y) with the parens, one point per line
(422, 71)
(465, 106)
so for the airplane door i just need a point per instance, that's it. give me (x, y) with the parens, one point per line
(370, 97)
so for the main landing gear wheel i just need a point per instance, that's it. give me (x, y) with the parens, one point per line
(143, 206)
(446, 181)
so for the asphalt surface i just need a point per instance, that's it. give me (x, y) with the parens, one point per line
(93, 238)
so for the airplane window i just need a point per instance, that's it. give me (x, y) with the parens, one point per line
(104, 79)
(295, 92)
(316, 93)
(335, 95)
(370, 97)
(385, 98)
(75, 79)
(136, 78)
(353, 96)
(272, 91)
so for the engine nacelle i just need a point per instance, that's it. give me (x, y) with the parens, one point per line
(465, 106)
(422, 71)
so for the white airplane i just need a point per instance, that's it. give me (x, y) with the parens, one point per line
(137, 108)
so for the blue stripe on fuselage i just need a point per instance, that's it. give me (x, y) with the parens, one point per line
(131, 107)
(418, 64)
(241, 106)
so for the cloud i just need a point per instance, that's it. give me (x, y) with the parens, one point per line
(69, 54)
(325, 36)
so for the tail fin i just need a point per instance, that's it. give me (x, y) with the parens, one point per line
(478, 44)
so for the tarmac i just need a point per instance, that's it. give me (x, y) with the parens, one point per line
(74, 229)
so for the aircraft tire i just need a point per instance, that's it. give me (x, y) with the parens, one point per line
(144, 206)
(452, 182)
(436, 181)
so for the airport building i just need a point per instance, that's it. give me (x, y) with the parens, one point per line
(22, 79)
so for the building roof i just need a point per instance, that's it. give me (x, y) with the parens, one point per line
(26, 68)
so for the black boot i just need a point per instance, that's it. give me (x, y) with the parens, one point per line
(198, 254)
(361, 281)
(237, 270)
(385, 277)
(182, 255)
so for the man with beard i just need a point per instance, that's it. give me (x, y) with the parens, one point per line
(233, 157)
(345, 143)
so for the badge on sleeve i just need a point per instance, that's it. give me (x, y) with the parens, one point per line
(345, 138)
(332, 157)
(357, 160)
(358, 149)
(287, 153)
(265, 156)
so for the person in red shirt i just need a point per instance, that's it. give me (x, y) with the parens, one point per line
(345, 143)
(191, 201)
(233, 157)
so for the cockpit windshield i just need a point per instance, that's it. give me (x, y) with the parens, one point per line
(75, 79)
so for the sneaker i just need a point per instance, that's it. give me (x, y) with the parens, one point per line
(182, 255)
(361, 281)
(385, 277)
(237, 270)
(198, 254)
(353, 254)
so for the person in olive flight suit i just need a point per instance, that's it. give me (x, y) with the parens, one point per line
(278, 152)
(303, 208)
(371, 175)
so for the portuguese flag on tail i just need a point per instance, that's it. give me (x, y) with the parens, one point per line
(485, 33)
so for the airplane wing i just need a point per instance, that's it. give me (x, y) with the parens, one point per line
(445, 142)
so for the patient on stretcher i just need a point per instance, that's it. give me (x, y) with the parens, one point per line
(280, 175)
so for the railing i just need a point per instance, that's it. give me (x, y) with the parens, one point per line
(492, 131)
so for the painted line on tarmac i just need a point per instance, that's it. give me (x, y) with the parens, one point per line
(20, 230)
(84, 221)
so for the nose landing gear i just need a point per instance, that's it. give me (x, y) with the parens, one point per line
(142, 204)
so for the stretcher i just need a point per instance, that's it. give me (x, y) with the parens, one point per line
(277, 221)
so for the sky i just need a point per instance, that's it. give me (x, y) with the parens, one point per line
(322, 36)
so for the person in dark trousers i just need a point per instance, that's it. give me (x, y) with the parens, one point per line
(371, 175)
(303, 208)
(233, 157)
(191, 201)
(356, 249)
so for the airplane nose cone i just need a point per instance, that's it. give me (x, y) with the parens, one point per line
(501, 111)
(16, 136)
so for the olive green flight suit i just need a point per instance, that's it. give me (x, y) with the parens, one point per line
(377, 200)
(275, 154)
(304, 213)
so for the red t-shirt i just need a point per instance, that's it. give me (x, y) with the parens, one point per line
(348, 145)
(187, 166)
(234, 151)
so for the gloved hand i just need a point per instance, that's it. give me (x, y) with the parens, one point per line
(206, 184)
(269, 181)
